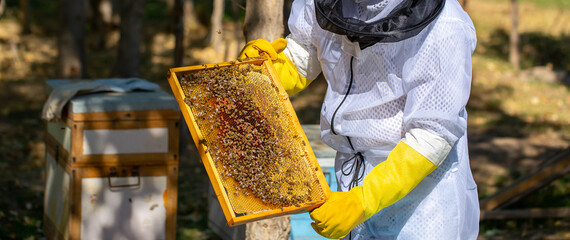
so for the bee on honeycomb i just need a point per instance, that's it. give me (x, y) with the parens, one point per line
(243, 131)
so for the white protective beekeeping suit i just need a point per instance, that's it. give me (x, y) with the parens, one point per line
(378, 94)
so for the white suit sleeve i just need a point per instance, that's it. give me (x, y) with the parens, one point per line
(437, 79)
(300, 49)
(308, 66)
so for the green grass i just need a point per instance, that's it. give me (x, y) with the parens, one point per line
(559, 4)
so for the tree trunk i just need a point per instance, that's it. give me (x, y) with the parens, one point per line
(216, 24)
(190, 20)
(128, 62)
(178, 13)
(25, 16)
(2, 8)
(98, 21)
(116, 12)
(71, 40)
(514, 57)
(264, 19)
(238, 33)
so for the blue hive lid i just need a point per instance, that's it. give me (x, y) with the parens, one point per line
(136, 100)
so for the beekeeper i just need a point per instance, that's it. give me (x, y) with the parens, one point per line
(399, 77)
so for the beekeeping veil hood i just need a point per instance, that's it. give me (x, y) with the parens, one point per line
(371, 21)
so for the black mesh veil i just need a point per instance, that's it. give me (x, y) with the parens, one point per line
(406, 20)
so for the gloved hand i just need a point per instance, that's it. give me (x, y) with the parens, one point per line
(387, 183)
(291, 80)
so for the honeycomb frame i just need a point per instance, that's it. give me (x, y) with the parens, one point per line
(232, 216)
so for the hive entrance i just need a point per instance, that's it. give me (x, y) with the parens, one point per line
(251, 136)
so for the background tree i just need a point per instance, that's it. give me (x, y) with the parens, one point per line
(190, 19)
(25, 16)
(101, 15)
(263, 19)
(2, 7)
(514, 56)
(128, 60)
(216, 24)
(71, 39)
(238, 33)
(178, 19)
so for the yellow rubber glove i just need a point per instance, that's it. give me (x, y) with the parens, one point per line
(291, 80)
(387, 183)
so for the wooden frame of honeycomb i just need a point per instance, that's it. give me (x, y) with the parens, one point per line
(249, 138)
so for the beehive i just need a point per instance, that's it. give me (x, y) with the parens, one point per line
(112, 167)
(252, 145)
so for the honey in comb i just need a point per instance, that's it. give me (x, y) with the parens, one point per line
(242, 134)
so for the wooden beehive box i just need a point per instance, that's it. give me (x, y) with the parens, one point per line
(251, 143)
(112, 167)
